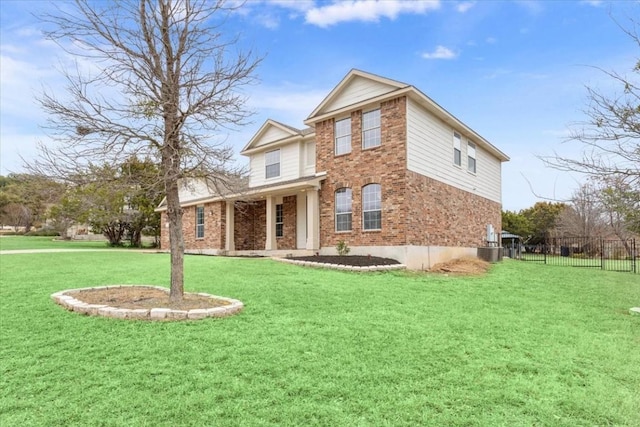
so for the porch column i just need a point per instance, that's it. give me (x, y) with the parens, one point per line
(230, 226)
(270, 244)
(313, 220)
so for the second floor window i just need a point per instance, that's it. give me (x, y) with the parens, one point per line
(199, 222)
(471, 157)
(343, 136)
(343, 209)
(371, 129)
(272, 164)
(457, 152)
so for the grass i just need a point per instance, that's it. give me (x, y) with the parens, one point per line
(526, 345)
(8, 243)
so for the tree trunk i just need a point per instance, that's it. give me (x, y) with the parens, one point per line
(176, 241)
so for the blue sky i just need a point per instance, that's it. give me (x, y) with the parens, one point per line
(513, 71)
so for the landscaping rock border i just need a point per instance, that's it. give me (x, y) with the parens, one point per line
(343, 267)
(166, 314)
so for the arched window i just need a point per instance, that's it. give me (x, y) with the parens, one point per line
(371, 207)
(343, 209)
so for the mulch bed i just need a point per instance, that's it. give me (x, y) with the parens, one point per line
(352, 260)
(133, 297)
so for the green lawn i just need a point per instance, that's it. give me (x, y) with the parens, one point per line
(8, 243)
(525, 345)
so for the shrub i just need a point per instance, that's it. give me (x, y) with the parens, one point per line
(342, 248)
(45, 232)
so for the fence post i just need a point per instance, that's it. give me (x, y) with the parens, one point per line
(634, 255)
(602, 254)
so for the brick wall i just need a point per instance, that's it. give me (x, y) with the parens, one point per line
(289, 211)
(214, 228)
(164, 231)
(250, 225)
(384, 165)
(442, 215)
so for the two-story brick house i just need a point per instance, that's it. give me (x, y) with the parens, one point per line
(380, 166)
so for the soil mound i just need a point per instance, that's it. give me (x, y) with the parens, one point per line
(462, 266)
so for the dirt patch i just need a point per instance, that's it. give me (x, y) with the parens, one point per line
(352, 260)
(462, 266)
(136, 297)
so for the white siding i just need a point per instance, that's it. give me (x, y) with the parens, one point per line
(271, 134)
(308, 160)
(430, 153)
(358, 90)
(290, 159)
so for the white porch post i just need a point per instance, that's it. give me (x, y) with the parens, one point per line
(271, 225)
(313, 220)
(230, 243)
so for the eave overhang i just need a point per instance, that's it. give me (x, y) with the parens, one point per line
(257, 193)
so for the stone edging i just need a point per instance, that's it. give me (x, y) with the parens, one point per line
(72, 304)
(342, 267)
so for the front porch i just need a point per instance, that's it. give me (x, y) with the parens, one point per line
(274, 220)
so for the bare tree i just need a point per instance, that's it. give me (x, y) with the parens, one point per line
(583, 216)
(621, 205)
(610, 135)
(154, 79)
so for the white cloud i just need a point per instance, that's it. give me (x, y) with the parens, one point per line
(498, 72)
(534, 7)
(464, 6)
(366, 10)
(296, 5)
(594, 3)
(268, 21)
(440, 52)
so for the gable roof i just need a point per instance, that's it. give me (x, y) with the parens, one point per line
(275, 131)
(385, 85)
(384, 89)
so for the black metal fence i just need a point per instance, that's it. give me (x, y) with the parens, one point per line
(589, 252)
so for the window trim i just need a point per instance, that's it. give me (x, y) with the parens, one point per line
(471, 147)
(266, 165)
(341, 137)
(279, 220)
(199, 212)
(348, 192)
(378, 128)
(378, 205)
(457, 149)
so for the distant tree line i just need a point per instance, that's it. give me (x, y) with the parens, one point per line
(605, 208)
(117, 201)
